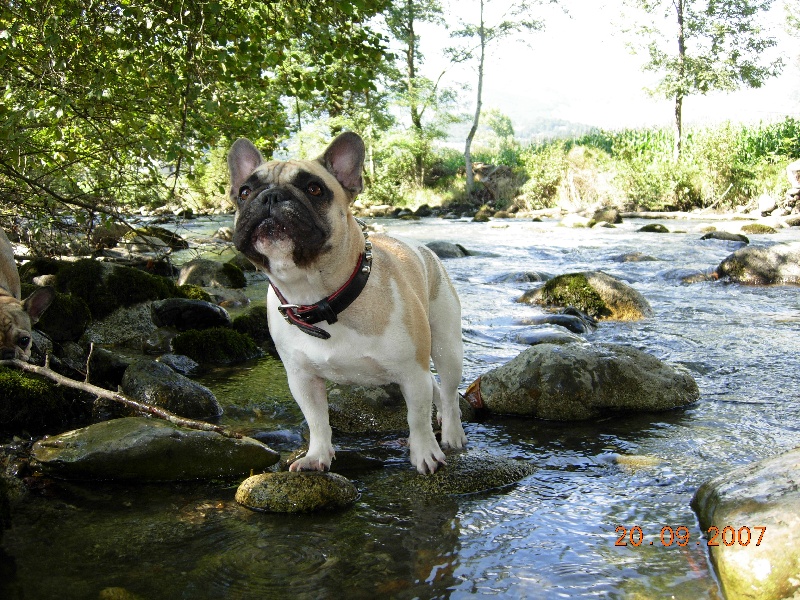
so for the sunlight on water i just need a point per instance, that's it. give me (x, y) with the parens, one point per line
(553, 535)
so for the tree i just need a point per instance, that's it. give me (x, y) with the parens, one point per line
(101, 100)
(715, 45)
(417, 93)
(478, 38)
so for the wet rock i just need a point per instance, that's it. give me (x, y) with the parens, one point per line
(760, 265)
(464, 473)
(106, 368)
(574, 323)
(685, 275)
(653, 228)
(218, 346)
(160, 341)
(180, 364)
(155, 383)
(582, 381)
(597, 294)
(154, 238)
(522, 277)
(210, 273)
(138, 448)
(362, 409)
(127, 326)
(301, 492)
(726, 236)
(633, 257)
(448, 249)
(763, 494)
(547, 336)
(184, 314)
(281, 439)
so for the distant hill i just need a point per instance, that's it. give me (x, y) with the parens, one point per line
(536, 130)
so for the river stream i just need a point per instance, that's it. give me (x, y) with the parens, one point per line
(552, 535)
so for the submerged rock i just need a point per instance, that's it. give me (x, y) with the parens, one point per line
(739, 504)
(726, 236)
(157, 384)
(138, 448)
(364, 409)
(759, 265)
(289, 492)
(595, 293)
(184, 314)
(464, 473)
(582, 381)
(210, 273)
(448, 249)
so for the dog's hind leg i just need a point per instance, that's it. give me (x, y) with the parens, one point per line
(447, 352)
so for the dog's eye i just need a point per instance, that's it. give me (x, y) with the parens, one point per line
(244, 192)
(23, 342)
(314, 189)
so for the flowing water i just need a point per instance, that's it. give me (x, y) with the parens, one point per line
(553, 535)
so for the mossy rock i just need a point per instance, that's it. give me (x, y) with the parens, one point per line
(574, 289)
(40, 266)
(296, 492)
(218, 345)
(194, 292)
(66, 319)
(756, 228)
(254, 323)
(235, 275)
(105, 289)
(30, 402)
(594, 293)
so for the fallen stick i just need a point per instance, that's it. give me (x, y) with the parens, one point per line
(117, 397)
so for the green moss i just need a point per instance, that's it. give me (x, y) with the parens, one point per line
(194, 292)
(122, 286)
(573, 289)
(254, 323)
(758, 228)
(65, 319)
(218, 345)
(235, 275)
(29, 400)
(40, 266)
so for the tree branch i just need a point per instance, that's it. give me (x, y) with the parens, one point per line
(117, 397)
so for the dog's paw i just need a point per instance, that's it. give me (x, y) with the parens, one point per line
(312, 463)
(426, 457)
(453, 436)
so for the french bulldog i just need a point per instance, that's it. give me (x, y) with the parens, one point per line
(343, 305)
(17, 316)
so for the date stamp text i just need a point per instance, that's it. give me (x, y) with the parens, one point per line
(727, 536)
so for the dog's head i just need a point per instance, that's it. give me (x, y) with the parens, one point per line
(293, 210)
(17, 319)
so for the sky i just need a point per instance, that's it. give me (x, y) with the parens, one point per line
(579, 69)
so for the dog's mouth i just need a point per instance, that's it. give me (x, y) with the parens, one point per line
(269, 224)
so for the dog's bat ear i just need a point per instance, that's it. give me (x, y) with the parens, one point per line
(38, 301)
(243, 159)
(344, 159)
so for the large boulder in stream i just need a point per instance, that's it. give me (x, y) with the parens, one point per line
(760, 265)
(752, 519)
(296, 492)
(582, 381)
(138, 448)
(595, 293)
(155, 383)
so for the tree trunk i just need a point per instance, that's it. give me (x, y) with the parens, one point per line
(681, 74)
(476, 119)
(411, 78)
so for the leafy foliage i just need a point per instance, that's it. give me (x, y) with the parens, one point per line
(109, 104)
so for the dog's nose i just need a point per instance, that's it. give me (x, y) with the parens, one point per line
(8, 353)
(270, 197)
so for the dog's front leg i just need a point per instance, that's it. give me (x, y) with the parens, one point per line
(425, 453)
(310, 394)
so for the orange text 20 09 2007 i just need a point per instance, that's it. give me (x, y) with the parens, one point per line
(680, 536)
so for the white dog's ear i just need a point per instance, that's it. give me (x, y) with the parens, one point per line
(243, 159)
(344, 159)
